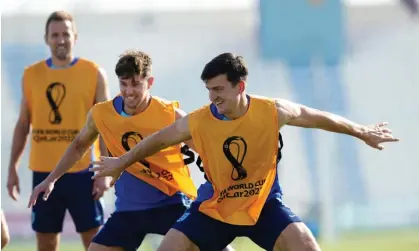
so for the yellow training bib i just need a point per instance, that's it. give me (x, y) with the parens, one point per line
(58, 101)
(164, 170)
(239, 158)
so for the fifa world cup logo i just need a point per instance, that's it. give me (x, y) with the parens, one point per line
(239, 146)
(129, 140)
(55, 95)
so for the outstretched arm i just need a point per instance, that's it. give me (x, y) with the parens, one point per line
(293, 114)
(188, 146)
(179, 115)
(176, 133)
(76, 149)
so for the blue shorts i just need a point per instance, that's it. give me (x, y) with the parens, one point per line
(127, 229)
(213, 235)
(73, 191)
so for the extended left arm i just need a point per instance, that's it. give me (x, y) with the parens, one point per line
(302, 116)
(290, 113)
(176, 133)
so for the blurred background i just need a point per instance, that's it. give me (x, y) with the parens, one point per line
(356, 58)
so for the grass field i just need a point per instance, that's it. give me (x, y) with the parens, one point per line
(406, 240)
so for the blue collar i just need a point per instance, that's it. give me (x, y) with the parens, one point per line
(118, 104)
(52, 66)
(220, 116)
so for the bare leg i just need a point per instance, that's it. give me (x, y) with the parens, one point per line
(177, 241)
(87, 237)
(48, 241)
(296, 237)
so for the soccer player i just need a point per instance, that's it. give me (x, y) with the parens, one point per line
(151, 193)
(57, 95)
(237, 139)
(5, 237)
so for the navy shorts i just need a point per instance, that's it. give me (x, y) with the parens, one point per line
(73, 191)
(127, 229)
(213, 235)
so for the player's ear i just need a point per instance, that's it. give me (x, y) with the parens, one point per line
(242, 86)
(150, 82)
(46, 38)
(76, 36)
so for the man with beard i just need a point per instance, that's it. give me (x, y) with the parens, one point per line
(57, 95)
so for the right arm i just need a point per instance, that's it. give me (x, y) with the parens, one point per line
(76, 149)
(20, 134)
(179, 115)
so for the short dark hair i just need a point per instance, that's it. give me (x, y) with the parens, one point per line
(227, 63)
(60, 16)
(133, 62)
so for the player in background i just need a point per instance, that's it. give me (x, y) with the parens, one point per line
(237, 137)
(57, 95)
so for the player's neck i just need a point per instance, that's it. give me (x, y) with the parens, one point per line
(62, 63)
(140, 108)
(241, 109)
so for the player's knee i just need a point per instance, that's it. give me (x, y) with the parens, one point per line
(175, 240)
(296, 237)
(87, 236)
(47, 241)
(308, 242)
